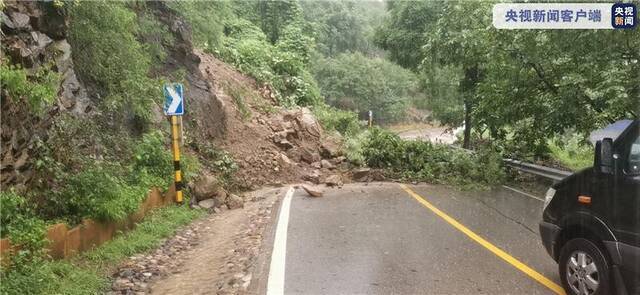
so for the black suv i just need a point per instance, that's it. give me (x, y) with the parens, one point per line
(591, 219)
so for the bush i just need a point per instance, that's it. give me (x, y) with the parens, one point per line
(111, 192)
(22, 227)
(152, 162)
(206, 19)
(51, 277)
(571, 151)
(39, 91)
(155, 36)
(108, 54)
(281, 66)
(345, 122)
(354, 145)
(102, 193)
(436, 163)
(223, 164)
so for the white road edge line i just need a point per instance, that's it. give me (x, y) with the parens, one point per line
(275, 285)
(521, 192)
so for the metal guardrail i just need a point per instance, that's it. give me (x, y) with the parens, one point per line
(546, 172)
(538, 170)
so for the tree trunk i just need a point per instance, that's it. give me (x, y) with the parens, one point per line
(467, 124)
(468, 86)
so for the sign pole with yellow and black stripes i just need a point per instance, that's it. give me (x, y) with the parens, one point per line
(174, 107)
(175, 142)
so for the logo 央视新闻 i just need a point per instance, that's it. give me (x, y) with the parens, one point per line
(624, 15)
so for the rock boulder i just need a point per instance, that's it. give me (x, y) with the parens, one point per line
(206, 187)
(234, 201)
(312, 191)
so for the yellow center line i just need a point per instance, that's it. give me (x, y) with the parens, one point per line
(495, 250)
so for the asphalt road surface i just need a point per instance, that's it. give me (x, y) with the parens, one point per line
(387, 238)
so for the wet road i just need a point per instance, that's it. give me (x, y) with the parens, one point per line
(435, 134)
(379, 239)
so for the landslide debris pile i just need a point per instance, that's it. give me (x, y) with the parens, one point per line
(271, 145)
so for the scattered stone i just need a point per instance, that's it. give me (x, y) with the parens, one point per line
(309, 156)
(205, 187)
(20, 21)
(377, 175)
(314, 176)
(41, 40)
(285, 144)
(361, 174)
(334, 180)
(126, 273)
(6, 21)
(121, 284)
(316, 165)
(308, 122)
(21, 161)
(220, 197)
(285, 160)
(327, 165)
(280, 138)
(207, 204)
(234, 271)
(312, 191)
(234, 202)
(339, 160)
(329, 150)
(140, 286)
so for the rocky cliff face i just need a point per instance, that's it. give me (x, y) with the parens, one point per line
(34, 37)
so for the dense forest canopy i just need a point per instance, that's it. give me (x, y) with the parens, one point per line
(524, 86)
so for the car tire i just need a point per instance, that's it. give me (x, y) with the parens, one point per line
(584, 265)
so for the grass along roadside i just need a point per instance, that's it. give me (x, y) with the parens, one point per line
(572, 155)
(88, 273)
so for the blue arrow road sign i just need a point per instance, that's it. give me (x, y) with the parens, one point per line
(174, 99)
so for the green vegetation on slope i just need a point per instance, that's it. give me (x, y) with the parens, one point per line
(107, 53)
(87, 274)
(263, 39)
(39, 93)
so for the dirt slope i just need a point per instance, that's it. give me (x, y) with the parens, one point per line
(230, 111)
(269, 143)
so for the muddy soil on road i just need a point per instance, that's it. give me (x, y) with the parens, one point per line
(224, 260)
(216, 254)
